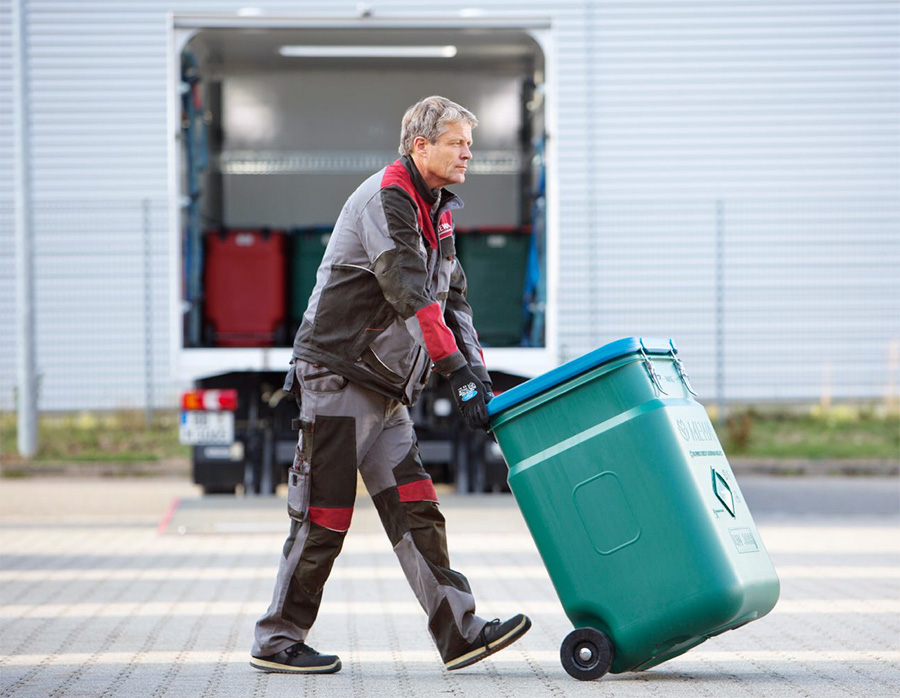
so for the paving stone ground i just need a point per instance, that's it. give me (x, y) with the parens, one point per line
(141, 587)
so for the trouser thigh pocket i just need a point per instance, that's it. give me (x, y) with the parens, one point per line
(300, 475)
(298, 488)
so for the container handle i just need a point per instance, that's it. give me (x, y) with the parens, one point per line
(651, 370)
(679, 366)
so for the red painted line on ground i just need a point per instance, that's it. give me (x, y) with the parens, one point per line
(167, 517)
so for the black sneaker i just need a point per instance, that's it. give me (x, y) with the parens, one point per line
(494, 636)
(298, 659)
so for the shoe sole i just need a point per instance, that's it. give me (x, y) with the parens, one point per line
(495, 646)
(276, 668)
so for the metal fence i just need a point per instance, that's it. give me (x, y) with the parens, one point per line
(769, 300)
(101, 296)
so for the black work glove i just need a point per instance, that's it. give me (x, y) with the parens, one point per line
(471, 397)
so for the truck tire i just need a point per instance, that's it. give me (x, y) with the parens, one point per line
(219, 489)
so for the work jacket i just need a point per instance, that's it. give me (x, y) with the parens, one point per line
(389, 304)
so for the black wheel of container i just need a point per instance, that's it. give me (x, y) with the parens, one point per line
(586, 654)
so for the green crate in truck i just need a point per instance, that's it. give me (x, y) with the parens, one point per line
(495, 260)
(306, 249)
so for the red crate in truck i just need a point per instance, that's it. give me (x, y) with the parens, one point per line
(245, 288)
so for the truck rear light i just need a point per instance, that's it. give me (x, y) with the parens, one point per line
(210, 400)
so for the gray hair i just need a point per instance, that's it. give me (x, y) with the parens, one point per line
(429, 118)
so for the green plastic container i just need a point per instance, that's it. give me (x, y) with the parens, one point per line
(497, 260)
(307, 247)
(633, 506)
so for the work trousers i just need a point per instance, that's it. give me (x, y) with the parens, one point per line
(345, 427)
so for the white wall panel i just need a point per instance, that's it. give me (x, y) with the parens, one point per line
(782, 116)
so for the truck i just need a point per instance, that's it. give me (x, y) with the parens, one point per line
(272, 123)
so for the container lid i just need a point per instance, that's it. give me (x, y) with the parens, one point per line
(576, 367)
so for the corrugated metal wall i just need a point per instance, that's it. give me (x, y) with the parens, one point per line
(7, 238)
(97, 84)
(745, 189)
(759, 135)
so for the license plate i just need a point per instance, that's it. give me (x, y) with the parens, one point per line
(206, 428)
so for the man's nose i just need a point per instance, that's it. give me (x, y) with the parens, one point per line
(466, 153)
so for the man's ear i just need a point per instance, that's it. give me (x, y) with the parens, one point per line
(419, 143)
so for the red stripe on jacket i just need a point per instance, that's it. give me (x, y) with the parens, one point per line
(334, 519)
(439, 341)
(418, 491)
(396, 174)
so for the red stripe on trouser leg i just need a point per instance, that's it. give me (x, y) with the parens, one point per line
(334, 519)
(439, 340)
(418, 491)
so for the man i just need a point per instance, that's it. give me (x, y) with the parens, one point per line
(388, 308)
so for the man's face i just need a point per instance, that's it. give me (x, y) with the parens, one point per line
(445, 161)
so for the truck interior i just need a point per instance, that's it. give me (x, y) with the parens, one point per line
(279, 126)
